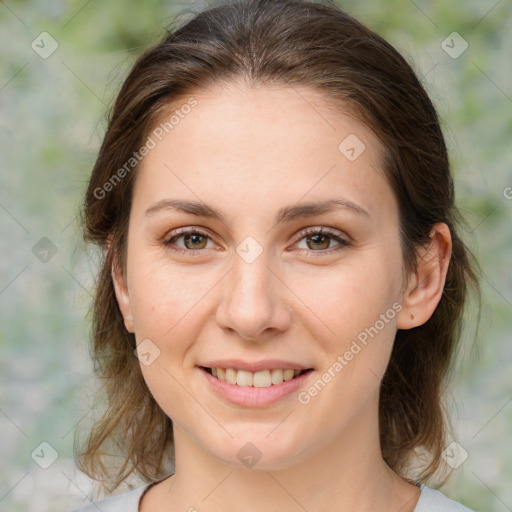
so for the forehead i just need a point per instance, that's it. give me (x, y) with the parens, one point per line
(279, 144)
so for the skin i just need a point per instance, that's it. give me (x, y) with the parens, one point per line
(249, 152)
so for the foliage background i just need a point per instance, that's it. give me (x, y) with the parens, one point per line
(51, 124)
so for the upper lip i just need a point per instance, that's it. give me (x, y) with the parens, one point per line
(255, 366)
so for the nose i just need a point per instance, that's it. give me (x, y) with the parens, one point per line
(254, 305)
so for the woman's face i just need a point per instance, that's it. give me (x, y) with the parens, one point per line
(250, 288)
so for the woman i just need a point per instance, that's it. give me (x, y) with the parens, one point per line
(274, 201)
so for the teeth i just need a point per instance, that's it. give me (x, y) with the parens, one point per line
(261, 379)
(231, 375)
(243, 378)
(277, 376)
(288, 375)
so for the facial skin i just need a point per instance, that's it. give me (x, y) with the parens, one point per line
(248, 153)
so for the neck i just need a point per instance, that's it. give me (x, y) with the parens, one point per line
(348, 474)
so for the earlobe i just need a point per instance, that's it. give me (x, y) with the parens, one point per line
(123, 298)
(426, 285)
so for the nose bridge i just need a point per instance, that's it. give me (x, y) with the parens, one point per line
(254, 301)
(251, 274)
(251, 278)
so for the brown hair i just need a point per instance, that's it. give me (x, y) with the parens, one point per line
(292, 43)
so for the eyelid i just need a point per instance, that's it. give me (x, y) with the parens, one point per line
(178, 233)
(312, 230)
(342, 239)
(320, 230)
(185, 231)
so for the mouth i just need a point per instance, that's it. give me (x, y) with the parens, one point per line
(259, 379)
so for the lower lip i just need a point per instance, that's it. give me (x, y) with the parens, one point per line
(249, 396)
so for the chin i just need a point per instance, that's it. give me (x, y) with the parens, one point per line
(259, 452)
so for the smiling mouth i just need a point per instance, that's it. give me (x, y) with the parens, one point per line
(261, 379)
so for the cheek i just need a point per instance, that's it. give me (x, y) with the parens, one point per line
(360, 309)
(351, 300)
(163, 298)
(166, 305)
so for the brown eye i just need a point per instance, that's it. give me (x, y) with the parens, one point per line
(319, 240)
(193, 241)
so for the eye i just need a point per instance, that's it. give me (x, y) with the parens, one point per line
(319, 239)
(194, 240)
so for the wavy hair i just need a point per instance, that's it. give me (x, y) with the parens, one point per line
(290, 43)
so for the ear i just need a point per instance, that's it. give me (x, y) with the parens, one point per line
(122, 296)
(426, 285)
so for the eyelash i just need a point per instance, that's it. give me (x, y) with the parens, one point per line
(307, 232)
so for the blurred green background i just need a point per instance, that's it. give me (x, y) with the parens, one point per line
(52, 119)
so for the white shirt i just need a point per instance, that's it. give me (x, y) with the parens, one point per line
(429, 501)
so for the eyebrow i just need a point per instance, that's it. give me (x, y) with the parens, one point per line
(287, 213)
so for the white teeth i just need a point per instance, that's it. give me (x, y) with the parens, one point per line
(231, 375)
(244, 378)
(288, 375)
(261, 379)
(277, 376)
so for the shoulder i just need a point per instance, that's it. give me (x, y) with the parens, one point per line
(126, 502)
(435, 501)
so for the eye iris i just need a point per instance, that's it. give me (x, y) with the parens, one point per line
(316, 244)
(194, 237)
